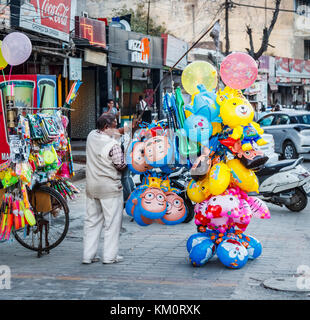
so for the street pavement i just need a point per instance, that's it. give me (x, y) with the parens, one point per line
(156, 265)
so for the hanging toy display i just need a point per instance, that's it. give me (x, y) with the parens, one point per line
(34, 146)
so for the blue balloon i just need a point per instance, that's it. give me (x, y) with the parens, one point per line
(198, 129)
(195, 239)
(201, 253)
(232, 253)
(254, 247)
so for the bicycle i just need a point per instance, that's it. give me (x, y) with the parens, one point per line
(52, 221)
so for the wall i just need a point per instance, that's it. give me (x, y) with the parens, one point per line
(178, 16)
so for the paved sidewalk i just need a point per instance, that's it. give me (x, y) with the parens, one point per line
(156, 265)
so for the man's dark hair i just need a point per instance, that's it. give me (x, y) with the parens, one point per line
(109, 100)
(105, 121)
(140, 97)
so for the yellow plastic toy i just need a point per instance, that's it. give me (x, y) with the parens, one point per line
(244, 178)
(219, 178)
(238, 114)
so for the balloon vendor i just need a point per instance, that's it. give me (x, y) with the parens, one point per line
(34, 147)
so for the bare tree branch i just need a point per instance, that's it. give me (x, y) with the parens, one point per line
(266, 34)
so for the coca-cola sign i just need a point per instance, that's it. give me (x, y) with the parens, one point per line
(54, 18)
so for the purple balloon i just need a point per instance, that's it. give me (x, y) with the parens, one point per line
(16, 48)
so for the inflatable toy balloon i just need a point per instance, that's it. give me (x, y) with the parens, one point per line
(251, 159)
(211, 216)
(219, 178)
(3, 63)
(16, 48)
(238, 70)
(135, 158)
(153, 203)
(244, 178)
(158, 151)
(198, 129)
(199, 72)
(253, 246)
(201, 253)
(232, 254)
(204, 103)
(197, 191)
(176, 210)
(195, 239)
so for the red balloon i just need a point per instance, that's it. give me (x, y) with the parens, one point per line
(238, 70)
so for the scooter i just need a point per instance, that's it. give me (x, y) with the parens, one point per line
(286, 183)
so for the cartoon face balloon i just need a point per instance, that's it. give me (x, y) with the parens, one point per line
(158, 151)
(176, 210)
(198, 128)
(135, 158)
(232, 253)
(153, 203)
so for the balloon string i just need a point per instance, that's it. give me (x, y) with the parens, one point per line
(3, 76)
(10, 73)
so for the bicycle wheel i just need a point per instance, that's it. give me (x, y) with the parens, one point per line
(52, 217)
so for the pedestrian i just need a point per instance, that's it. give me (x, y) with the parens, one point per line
(110, 108)
(104, 193)
(144, 110)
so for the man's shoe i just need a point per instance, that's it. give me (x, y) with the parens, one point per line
(96, 259)
(116, 260)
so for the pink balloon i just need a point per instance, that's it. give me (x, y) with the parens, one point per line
(16, 48)
(238, 70)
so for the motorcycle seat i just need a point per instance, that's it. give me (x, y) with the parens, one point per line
(272, 168)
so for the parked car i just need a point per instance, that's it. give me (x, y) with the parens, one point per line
(269, 149)
(291, 132)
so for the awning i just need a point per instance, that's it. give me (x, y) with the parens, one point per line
(273, 87)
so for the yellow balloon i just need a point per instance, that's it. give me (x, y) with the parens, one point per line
(199, 72)
(3, 63)
(244, 178)
(219, 178)
(196, 191)
(217, 128)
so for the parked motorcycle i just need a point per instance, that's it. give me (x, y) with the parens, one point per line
(286, 183)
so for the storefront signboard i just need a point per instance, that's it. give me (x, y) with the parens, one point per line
(91, 29)
(134, 49)
(54, 18)
(173, 50)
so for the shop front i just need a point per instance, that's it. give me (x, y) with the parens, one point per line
(90, 41)
(134, 69)
(291, 77)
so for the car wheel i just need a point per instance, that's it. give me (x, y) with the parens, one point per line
(289, 151)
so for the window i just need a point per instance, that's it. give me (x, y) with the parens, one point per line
(302, 7)
(282, 119)
(293, 120)
(304, 119)
(307, 49)
(266, 121)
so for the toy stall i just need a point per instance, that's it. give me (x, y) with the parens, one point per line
(35, 150)
(215, 138)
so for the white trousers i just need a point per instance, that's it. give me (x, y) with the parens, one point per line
(103, 214)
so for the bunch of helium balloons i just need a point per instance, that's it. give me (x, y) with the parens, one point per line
(224, 173)
(216, 139)
(155, 200)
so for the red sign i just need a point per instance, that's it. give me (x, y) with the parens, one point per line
(91, 29)
(51, 17)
